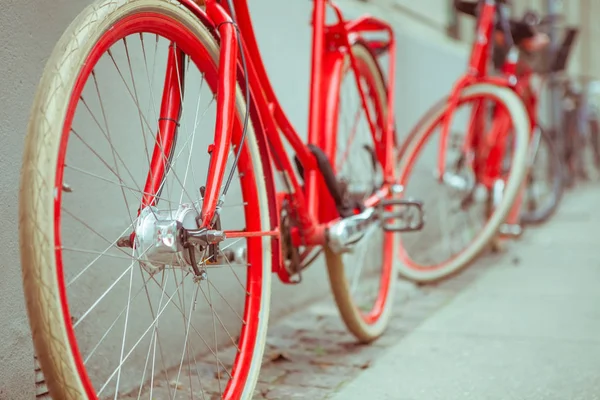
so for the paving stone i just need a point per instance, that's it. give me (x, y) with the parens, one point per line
(270, 374)
(281, 342)
(357, 358)
(300, 321)
(314, 379)
(304, 366)
(407, 320)
(158, 393)
(295, 392)
(282, 330)
(430, 302)
(391, 337)
(261, 390)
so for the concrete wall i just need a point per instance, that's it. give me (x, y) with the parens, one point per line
(29, 30)
(427, 64)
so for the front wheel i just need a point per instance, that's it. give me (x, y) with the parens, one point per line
(462, 214)
(362, 281)
(116, 307)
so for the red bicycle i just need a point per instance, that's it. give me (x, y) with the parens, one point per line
(485, 120)
(544, 182)
(153, 122)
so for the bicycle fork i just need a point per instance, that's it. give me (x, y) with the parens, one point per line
(165, 236)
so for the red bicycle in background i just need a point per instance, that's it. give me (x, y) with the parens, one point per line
(544, 183)
(486, 121)
(157, 197)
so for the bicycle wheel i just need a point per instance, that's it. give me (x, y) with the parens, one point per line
(366, 309)
(571, 140)
(581, 150)
(111, 315)
(594, 126)
(479, 207)
(544, 180)
(588, 151)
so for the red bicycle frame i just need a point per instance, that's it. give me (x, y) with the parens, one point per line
(312, 201)
(491, 149)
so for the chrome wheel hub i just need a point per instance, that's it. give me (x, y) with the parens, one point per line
(157, 237)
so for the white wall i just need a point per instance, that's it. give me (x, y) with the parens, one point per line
(29, 30)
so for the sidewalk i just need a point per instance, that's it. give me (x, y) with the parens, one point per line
(528, 327)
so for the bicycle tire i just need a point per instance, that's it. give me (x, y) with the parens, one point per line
(571, 151)
(594, 125)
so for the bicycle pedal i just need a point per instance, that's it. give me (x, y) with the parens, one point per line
(510, 230)
(407, 215)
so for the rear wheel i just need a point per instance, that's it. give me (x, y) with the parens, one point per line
(544, 180)
(568, 150)
(581, 152)
(362, 281)
(111, 315)
(595, 141)
(478, 208)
